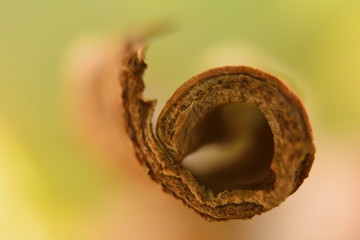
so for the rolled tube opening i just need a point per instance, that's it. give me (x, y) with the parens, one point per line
(232, 148)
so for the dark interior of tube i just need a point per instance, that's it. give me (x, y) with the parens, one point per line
(232, 148)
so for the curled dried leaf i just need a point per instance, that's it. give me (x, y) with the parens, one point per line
(260, 161)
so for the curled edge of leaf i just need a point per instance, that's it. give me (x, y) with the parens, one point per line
(161, 155)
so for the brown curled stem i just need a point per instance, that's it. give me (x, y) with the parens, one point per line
(183, 121)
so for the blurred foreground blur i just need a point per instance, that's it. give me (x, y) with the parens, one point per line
(66, 168)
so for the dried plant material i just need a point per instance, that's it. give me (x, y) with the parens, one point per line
(255, 129)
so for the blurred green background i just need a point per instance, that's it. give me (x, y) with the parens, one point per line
(48, 186)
